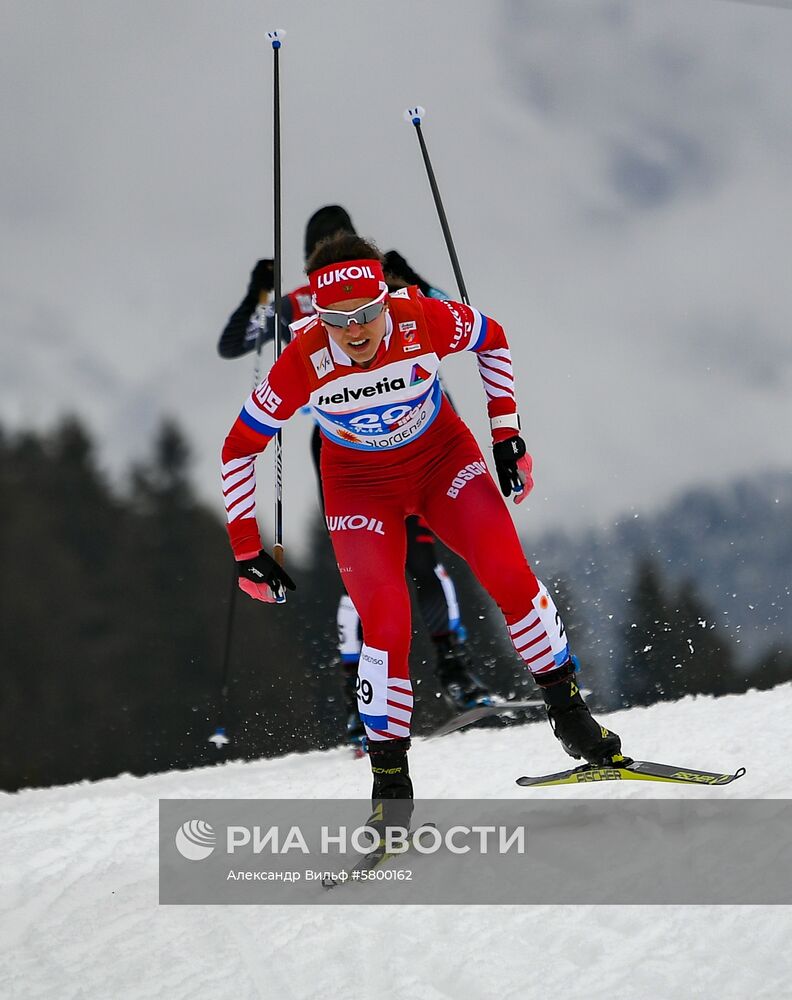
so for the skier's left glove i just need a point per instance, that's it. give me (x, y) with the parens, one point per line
(263, 579)
(514, 467)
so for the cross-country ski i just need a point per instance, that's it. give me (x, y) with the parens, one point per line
(631, 770)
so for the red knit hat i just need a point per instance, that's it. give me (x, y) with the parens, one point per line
(349, 279)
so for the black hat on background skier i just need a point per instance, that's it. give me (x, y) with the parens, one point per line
(326, 221)
(332, 219)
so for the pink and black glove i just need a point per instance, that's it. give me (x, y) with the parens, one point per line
(514, 467)
(263, 579)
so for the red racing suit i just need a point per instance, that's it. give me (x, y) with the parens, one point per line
(395, 447)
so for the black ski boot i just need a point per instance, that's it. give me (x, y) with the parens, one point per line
(392, 792)
(579, 733)
(355, 730)
(462, 689)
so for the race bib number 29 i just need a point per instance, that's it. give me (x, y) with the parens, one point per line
(372, 687)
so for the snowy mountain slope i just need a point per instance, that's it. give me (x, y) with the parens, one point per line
(80, 917)
(733, 542)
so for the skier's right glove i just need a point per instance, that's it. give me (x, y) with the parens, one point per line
(262, 278)
(398, 273)
(263, 579)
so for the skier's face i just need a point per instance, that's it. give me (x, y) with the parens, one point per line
(359, 341)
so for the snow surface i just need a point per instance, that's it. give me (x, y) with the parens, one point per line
(80, 917)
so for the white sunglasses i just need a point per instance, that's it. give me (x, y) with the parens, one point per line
(363, 314)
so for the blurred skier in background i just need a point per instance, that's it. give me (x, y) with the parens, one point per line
(437, 600)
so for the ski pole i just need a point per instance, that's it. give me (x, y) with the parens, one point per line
(219, 737)
(276, 38)
(415, 117)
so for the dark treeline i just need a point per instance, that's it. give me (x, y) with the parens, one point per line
(113, 611)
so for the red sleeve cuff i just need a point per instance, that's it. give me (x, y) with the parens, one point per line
(245, 538)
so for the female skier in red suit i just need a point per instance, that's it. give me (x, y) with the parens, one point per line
(367, 363)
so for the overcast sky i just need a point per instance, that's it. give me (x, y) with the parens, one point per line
(617, 173)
